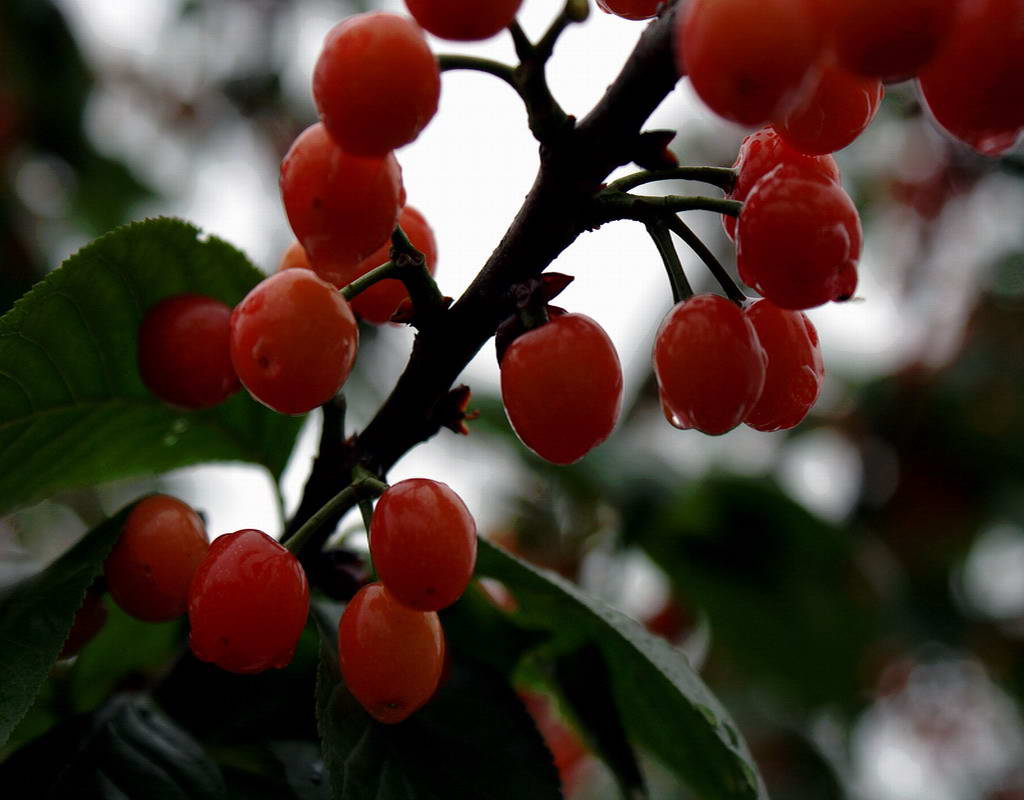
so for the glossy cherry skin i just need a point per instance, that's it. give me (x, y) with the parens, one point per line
(340, 206)
(631, 9)
(561, 384)
(890, 41)
(423, 544)
(247, 604)
(293, 341)
(795, 367)
(760, 153)
(183, 351)
(391, 656)
(832, 116)
(151, 567)
(973, 86)
(464, 20)
(376, 83)
(798, 240)
(709, 365)
(378, 303)
(747, 59)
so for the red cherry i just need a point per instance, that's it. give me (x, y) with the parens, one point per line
(151, 567)
(391, 656)
(709, 365)
(763, 151)
(464, 20)
(561, 384)
(376, 83)
(293, 341)
(973, 86)
(423, 544)
(247, 604)
(798, 240)
(631, 9)
(183, 351)
(795, 368)
(340, 206)
(831, 117)
(890, 41)
(747, 59)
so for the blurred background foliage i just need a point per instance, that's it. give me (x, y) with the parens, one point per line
(853, 590)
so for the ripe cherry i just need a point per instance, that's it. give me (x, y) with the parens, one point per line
(890, 41)
(798, 240)
(391, 656)
(795, 368)
(631, 9)
(150, 568)
(763, 151)
(376, 83)
(183, 351)
(709, 365)
(293, 341)
(831, 117)
(340, 206)
(464, 20)
(561, 384)
(378, 303)
(973, 85)
(423, 544)
(248, 603)
(748, 58)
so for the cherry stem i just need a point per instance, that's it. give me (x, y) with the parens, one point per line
(389, 269)
(681, 289)
(614, 205)
(506, 73)
(722, 177)
(693, 241)
(362, 488)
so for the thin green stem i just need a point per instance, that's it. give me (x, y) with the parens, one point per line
(722, 177)
(366, 511)
(506, 73)
(693, 241)
(361, 488)
(389, 269)
(677, 203)
(681, 289)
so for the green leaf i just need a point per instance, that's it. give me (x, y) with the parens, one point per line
(780, 587)
(473, 740)
(36, 616)
(128, 748)
(73, 409)
(663, 704)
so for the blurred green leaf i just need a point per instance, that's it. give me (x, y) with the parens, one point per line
(38, 613)
(662, 702)
(780, 586)
(73, 409)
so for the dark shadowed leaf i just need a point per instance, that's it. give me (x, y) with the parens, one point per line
(37, 614)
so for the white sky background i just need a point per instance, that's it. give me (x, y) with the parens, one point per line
(468, 172)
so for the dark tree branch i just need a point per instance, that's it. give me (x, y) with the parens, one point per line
(559, 207)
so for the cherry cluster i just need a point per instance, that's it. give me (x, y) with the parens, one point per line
(247, 596)
(814, 68)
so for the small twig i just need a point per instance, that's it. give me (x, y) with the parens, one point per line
(506, 73)
(681, 289)
(722, 177)
(361, 489)
(684, 232)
